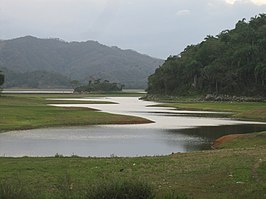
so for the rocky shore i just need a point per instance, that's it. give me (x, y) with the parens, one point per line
(228, 98)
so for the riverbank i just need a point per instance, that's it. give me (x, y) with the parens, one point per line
(29, 111)
(226, 173)
(240, 140)
(255, 111)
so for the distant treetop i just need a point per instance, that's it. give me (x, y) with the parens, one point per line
(233, 62)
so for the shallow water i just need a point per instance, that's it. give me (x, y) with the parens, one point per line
(172, 131)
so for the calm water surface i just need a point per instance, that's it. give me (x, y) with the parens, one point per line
(172, 131)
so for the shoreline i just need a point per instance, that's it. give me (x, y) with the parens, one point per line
(219, 141)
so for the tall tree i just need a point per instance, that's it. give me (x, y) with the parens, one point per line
(233, 62)
(2, 78)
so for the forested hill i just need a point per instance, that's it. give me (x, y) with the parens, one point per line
(33, 62)
(233, 62)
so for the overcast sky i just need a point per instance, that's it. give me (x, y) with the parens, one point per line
(155, 27)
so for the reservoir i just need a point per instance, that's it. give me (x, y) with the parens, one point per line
(172, 131)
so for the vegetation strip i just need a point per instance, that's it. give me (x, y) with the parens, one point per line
(78, 102)
(241, 140)
(226, 173)
(240, 110)
(31, 111)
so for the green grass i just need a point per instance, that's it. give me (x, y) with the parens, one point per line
(106, 189)
(15, 190)
(245, 140)
(120, 189)
(76, 95)
(31, 111)
(227, 173)
(240, 110)
(78, 102)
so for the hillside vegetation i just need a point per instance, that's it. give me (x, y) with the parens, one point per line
(232, 63)
(35, 79)
(23, 58)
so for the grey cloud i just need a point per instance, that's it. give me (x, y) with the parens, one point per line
(183, 12)
(155, 27)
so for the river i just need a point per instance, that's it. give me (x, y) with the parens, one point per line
(172, 131)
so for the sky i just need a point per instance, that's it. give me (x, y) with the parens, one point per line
(158, 28)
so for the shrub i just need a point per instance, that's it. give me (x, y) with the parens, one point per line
(173, 195)
(121, 190)
(13, 190)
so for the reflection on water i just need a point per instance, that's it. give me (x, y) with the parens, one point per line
(173, 131)
(207, 134)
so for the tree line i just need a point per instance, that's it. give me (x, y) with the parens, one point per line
(98, 86)
(34, 79)
(2, 78)
(233, 63)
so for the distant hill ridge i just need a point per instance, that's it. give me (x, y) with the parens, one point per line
(82, 61)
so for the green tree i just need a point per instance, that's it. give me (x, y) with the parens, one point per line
(233, 62)
(260, 73)
(75, 83)
(2, 78)
(99, 85)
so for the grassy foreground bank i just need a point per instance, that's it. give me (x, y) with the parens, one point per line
(31, 111)
(226, 173)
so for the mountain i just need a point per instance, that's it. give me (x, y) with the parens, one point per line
(35, 79)
(81, 61)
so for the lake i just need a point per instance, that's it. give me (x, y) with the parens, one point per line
(172, 131)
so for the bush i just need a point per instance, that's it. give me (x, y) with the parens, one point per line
(121, 190)
(13, 190)
(116, 189)
(173, 195)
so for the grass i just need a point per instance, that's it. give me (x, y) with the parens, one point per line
(112, 189)
(77, 95)
(241, 110)
(31, 111)
(78, 102)
(244, 140)
(226, 173)
(120, 189)
(14, 190)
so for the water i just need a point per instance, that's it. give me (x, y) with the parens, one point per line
(172, 131)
